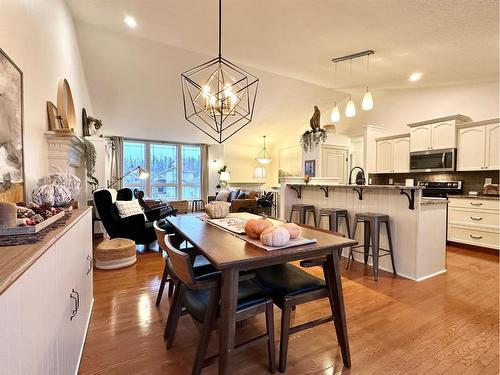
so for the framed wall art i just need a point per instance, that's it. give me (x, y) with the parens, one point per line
(310, 168)
(12, 181)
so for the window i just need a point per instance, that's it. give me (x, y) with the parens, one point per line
(174, 169)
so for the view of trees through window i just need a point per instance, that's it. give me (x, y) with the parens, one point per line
(174, 170)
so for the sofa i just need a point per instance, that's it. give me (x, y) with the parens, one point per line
(239, 200)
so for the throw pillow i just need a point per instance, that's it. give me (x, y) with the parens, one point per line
(129, 208)
(222, 195)
(242, 195)
(234, 194)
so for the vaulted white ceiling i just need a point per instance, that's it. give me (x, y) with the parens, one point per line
(449, 41)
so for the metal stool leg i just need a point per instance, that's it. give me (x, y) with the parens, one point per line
(389, 237)
(367, 241)
(375, 247)
(347, 225)
(351, 254)
(303, 216)
(291, 216)
(314, 217)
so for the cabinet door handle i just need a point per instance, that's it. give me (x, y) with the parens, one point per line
(476, 218)
(476, 204)
(73, 313)
(89, 258)
(475, 236)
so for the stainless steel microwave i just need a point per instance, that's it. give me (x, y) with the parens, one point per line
(433, 160)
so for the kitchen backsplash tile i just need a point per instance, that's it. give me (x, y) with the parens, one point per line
(473, 180)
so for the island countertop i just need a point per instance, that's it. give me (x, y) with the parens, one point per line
(334, 183)
(15, 260)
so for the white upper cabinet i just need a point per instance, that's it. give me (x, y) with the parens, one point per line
(393, 154)
(471, 146)
(401, 156)
(443, 135)
(435, 134)
(420, 138)
(492, 140)
(384, 156)
(478, 146)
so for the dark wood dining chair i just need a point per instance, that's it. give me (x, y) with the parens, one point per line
(201, 266)
(200, 298)
(291, 286)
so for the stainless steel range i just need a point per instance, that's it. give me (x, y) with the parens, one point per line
(440, 189)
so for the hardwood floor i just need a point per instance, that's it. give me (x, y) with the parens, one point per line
(445, 325)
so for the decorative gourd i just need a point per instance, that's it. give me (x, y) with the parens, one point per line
(254, 227)
(293, 229)
(217, 210)
(275, 236)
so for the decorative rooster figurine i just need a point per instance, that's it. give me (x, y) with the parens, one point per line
(314, 122)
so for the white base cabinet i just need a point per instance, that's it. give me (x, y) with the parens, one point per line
(474, 221)
(44, 315)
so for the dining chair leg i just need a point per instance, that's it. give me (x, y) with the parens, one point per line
(170, 287)
(162, 284)
(284, 336)
(208, 324)
(173, 317)
(270, 336)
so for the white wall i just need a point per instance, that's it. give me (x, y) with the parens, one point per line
(38, 35)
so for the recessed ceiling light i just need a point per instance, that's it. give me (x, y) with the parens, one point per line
(130, 21)
(415, 77)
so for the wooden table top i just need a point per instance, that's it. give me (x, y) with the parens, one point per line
(15, 260)
(225, 250)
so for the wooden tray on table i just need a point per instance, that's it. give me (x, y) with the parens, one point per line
(30, 229)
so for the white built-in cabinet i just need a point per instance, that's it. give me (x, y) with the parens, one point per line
(44, 314)
(393, 154)
(478, 146)
(435, 134)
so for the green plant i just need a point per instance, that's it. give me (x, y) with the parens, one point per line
(90, 160)
(311, 137)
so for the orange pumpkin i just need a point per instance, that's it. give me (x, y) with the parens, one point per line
(293, 229)
(275, 236)
(254, 227)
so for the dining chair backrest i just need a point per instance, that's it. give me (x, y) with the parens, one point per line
(160, 235)
(181, 262)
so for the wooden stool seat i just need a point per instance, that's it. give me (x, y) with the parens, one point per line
(115, 253)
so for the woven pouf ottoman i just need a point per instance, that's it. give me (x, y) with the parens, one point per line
(115, 253)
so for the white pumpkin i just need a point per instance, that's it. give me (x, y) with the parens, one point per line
(293, 229)
(217, 209)
(275, 236)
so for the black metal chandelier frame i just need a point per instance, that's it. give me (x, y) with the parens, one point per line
(222, 113)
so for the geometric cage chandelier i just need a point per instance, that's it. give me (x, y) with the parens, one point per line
(218, 96)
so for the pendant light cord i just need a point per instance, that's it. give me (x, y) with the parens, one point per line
(220, 29)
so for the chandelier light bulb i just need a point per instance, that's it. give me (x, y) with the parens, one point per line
(335, 114)
(350, 109)
(367, 103)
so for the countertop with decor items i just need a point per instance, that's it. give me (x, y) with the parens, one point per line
(15, 260)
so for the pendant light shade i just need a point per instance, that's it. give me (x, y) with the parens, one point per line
(350, 109)
(219, 96)
(335, 113)
(264, 157)
(367, 103)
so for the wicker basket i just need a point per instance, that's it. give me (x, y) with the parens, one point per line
(182, 207)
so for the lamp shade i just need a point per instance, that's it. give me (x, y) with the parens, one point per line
(225, 176)
(350, 109)
(259, 172)
(367, 103)
(335, 114)
(143, 174)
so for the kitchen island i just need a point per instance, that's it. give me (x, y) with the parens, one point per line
(418, 224)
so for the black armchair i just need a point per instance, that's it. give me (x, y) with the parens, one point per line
(132, 227)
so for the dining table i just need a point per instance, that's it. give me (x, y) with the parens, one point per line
(231, 254)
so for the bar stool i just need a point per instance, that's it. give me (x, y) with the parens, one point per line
(198, 205)
(372, 223)
(334, 214)
(303, 210)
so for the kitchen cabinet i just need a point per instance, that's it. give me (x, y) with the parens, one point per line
(435, 134)
(44, 314)
(474, 221)
(477, 146)
(393, 154)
